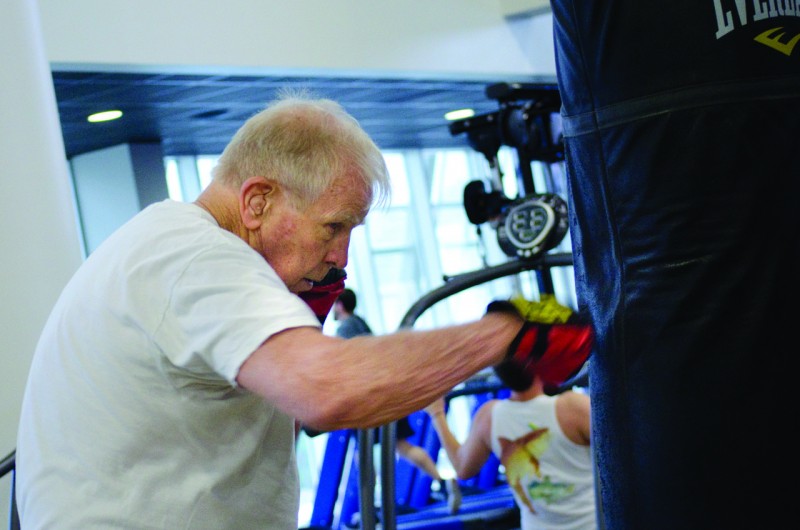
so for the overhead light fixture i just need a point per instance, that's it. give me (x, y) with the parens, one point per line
(459, 114)
(107, 115)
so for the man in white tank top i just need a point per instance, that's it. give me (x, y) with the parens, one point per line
(543, 443)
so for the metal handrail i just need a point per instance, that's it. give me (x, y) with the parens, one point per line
(8, 464)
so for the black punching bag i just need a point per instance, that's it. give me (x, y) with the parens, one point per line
(682, 137)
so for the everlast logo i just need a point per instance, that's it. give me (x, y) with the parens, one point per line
(734, 14)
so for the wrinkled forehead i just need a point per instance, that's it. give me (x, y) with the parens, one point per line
(355, 189)
(348, 200)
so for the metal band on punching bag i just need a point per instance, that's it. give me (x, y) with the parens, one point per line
(681, 123)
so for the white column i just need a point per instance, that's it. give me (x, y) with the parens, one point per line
(38, 230)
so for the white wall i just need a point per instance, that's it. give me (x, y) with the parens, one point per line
(458, 38)
(107, 198)
(39, 239)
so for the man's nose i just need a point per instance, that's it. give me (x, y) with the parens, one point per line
(337, 255)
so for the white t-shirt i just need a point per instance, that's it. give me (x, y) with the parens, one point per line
(131, 416)
(551, 476)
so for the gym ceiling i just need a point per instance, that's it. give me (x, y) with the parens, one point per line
(192, 114)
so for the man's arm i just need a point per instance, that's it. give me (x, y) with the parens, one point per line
(573, 411)
(331, 383)
(469, 457)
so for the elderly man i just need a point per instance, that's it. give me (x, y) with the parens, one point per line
(167, 381)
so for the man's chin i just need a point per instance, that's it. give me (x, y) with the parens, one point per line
(302, 286)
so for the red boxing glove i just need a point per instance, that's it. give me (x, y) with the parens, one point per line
(555, 352)
(324, 293)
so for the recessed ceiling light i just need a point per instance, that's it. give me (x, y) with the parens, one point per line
(459, 114)
(107, 115)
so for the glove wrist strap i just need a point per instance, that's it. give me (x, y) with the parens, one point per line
(531, 345)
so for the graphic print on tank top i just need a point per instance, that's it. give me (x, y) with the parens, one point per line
(520, 457)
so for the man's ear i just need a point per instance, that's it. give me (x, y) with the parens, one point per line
(255, 197)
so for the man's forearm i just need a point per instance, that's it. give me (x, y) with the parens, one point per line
(366, 381)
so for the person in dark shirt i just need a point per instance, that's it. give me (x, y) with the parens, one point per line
(350, 324)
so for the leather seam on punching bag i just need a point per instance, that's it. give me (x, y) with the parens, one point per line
(664, 102)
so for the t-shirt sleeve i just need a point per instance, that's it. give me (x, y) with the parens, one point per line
(227, 302)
